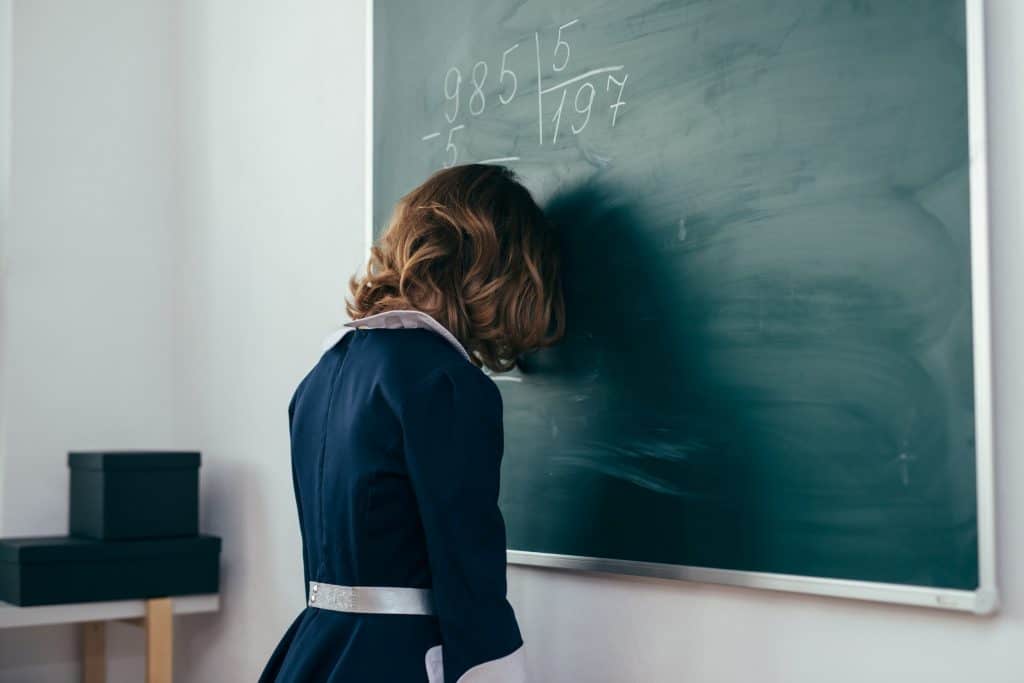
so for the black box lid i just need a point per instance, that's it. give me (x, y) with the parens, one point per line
(133, 460)
(37, 550)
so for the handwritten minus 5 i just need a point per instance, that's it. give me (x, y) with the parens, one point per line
(431, 136)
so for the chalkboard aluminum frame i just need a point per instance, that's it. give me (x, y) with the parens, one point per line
(983, 600)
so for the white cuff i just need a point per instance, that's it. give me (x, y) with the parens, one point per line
(508, 669)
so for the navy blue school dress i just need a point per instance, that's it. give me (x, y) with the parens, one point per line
(396, 442)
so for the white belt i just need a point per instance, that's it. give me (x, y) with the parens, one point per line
(370, 599)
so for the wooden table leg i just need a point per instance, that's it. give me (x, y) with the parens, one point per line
(159, 640)
(94, 652)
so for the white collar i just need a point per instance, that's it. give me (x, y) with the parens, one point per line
(395, 320)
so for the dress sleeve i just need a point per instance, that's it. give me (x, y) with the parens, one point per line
(452, 437)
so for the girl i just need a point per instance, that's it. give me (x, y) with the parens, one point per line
(396, 438)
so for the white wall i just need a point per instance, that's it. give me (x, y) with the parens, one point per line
(267, 225)
(87, 282)
(86, 332)
(5, 178)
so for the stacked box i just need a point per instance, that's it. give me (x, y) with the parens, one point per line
(121, 495)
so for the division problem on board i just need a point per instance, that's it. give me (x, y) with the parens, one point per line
(566, 105)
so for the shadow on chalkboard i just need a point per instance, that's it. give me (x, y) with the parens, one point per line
(670, 478)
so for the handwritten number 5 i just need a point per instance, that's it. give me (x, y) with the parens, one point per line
(453, 151)
(560, 44)
(512, 74)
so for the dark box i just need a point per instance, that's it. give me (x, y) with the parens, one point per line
(134, 494)
(62, 569)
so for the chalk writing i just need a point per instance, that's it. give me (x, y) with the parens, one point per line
(582, 91)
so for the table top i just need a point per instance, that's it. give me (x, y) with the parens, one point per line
(13, 616)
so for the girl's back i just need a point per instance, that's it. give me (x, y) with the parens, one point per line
(357, 484)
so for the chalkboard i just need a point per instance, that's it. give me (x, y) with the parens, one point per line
(771, 366)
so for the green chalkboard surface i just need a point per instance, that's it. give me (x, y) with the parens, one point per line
(765, 207)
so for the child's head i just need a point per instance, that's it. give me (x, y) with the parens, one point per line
(470, 248)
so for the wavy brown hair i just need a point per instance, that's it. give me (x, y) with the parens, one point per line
(470, 248)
